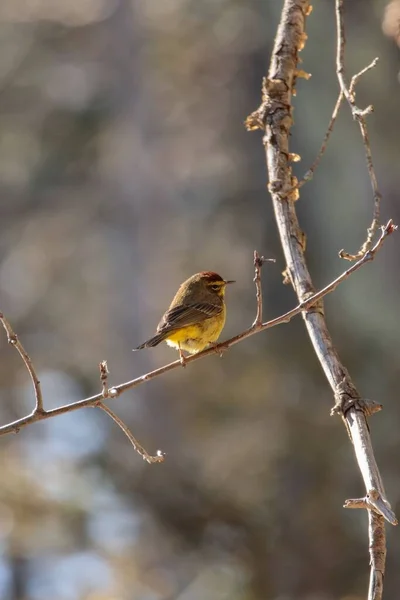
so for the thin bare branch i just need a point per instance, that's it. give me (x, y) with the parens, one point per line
(159, 457)
(356, 77)
(115, 391)
(373, 502)
(376, 530)
(258, 263)
(106, 393)
(12, 339)
(359, 115)
(310, 173)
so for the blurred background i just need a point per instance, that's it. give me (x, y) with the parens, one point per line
(124, 169)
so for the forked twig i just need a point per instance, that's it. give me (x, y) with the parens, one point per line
(308, 175)
(159, 457)
(106, 393)
(359, 115)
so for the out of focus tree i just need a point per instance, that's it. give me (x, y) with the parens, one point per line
(124, 168)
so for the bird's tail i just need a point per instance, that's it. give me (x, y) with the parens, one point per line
(154, 341)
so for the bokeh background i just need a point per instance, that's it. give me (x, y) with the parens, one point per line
(125, 168)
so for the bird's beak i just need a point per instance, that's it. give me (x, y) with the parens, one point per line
(230, 281)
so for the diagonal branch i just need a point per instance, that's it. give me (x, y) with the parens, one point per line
(276, 115)
(117, 390)
(310, 173)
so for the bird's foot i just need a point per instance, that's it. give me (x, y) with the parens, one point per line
(219, 348)
(182, 358)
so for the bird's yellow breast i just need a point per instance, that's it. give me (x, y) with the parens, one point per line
(195, 338)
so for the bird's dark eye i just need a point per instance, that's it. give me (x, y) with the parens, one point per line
(215, 288)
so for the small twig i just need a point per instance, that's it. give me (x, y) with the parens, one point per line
(309, 174)
(12, 339)
(106, 393)
(159, 457)
(373, 501)
(258, 263)
(104, 373)
(356, 77)
(359, 115)
(117, 390)
(386, 230)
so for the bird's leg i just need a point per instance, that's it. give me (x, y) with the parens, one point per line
(181, 356)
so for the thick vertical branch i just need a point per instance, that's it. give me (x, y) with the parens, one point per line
(377, 551)
(275, 116)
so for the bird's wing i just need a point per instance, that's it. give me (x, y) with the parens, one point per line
(185, 315)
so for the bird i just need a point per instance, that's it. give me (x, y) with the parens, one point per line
(195, 317)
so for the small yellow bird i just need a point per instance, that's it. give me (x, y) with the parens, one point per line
(196, 315)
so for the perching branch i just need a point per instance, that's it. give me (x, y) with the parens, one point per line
(115, 391)
(275, 118)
